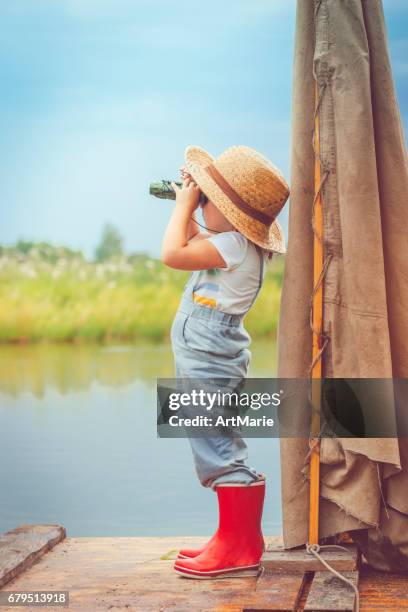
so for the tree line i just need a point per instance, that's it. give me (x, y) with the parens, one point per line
(110, 245)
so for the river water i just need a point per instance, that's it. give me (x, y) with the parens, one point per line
(78, 444)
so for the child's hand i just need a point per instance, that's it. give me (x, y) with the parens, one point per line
(188, 196)
(184, 172)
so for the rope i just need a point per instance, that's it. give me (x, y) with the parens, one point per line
(323, 339)
(319, 281)
(315, 441)
(317, 108)
(381, 491)
(320, 353)
(314, 549)
(206, 228)
(317, 6)
(317, 194)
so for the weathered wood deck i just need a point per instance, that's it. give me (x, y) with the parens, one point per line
(135, 574)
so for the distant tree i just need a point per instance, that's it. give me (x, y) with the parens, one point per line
(111, 243)
(45, 251)
(24, 246)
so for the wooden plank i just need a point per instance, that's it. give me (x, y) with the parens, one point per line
(330, 594)
(298, 560)
(382, 591)
(275, 591)
(107, 573)
(20, 548)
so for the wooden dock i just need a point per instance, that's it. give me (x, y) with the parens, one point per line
(135, 574)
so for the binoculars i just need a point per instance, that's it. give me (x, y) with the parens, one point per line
(165, 191)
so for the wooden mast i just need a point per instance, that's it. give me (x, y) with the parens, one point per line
(317, 318)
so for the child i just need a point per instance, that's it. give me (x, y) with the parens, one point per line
(244, 193)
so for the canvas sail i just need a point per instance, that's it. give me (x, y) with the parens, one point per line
(364, 482)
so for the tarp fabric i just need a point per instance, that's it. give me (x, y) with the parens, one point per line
(364, 482)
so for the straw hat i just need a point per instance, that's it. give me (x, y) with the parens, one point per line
(246, 187)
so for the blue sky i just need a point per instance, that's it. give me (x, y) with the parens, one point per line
(99, 97)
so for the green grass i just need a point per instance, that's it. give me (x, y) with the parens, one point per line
(72, 300)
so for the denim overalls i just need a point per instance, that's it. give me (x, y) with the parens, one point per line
(208, 343)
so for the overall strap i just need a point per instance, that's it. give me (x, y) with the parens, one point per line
(261, 272)
(191, 281)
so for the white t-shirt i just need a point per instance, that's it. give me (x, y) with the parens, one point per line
(233, 288)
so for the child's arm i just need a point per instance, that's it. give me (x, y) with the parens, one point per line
(194, 232)
(177, 251)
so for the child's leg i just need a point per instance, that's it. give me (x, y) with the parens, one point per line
(220, 453)
(222, 459)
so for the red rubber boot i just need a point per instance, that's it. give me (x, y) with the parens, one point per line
(190, 553)
(236, 548)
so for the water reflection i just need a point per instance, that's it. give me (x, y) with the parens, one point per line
(67, 368)
(78, 444)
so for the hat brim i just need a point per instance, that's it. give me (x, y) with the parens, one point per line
(269, 238)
